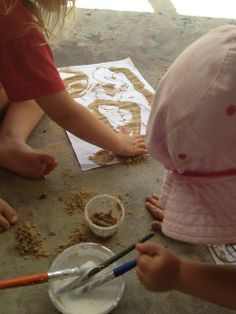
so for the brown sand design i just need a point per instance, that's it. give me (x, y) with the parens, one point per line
(133, 127)
(76, 85)
(79, 84)
(102, 157)
(110, 89)
(220, 254)
(138, 85)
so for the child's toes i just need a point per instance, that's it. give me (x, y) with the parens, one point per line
(156, 225)
(156, 211)
(152, 199)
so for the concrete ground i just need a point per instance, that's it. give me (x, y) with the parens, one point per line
(152, 41)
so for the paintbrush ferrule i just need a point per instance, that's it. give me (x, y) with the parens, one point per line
(60, 274)
(97, 282)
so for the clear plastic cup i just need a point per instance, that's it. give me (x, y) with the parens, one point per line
(101, 205)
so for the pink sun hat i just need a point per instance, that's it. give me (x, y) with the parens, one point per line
(192, 132)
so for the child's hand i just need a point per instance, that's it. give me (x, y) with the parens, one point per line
(130, 145)
(8, 216)
(157, 268)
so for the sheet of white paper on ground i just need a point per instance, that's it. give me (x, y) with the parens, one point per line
(116, 93)
(223, 254)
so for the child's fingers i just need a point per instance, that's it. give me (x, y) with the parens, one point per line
(7, 213)
(140, 151)
(148, 248)
(123, 130)
(140, 144)
(143, 263)
(141, 275)
(139, 138)
(4, 224)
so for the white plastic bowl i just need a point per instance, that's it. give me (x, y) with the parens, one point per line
(104, 203)
(101, 300)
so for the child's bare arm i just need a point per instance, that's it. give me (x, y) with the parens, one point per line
(76, 119)
(160, 270)
(214, 283)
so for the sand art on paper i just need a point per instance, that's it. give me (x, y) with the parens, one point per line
(102, 157)
(223, 254)
(76, 83)
(101, 108)
(116, 93)
(138, 85)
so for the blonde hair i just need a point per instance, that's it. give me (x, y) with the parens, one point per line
(47, 14)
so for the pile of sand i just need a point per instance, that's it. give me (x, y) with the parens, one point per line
(30, 240)
(78, 200)
(76, 236)
(132, 160)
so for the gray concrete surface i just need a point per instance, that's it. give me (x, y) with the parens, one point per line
(152, 41)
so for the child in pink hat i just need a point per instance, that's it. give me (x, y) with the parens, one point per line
(192, 131)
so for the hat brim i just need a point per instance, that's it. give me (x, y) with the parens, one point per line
(200, 210)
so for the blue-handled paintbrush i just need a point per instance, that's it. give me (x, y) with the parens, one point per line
(118, 271)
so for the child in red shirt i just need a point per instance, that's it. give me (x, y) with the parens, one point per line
(31, 85)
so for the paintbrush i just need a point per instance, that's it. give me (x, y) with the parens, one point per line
(37, 278)
(118, 271)
(80, 281)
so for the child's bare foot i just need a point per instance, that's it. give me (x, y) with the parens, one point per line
(155, 210)
(20, 158)
(8, 216)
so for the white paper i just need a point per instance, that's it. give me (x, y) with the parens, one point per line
(102, 83)
(223, 254)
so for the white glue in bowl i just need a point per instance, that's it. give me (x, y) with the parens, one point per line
(104, 204)
(101, 300)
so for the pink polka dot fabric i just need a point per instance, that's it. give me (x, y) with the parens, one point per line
(192, 131)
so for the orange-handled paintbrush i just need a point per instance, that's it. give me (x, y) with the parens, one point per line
(37, 278)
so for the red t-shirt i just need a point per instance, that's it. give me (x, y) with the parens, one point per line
(27, 69)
